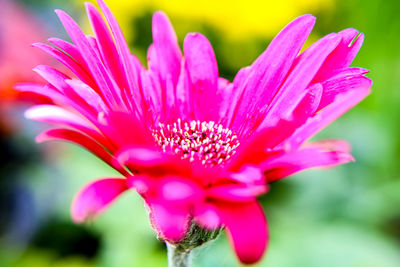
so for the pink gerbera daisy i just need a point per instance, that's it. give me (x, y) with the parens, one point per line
(198, 148)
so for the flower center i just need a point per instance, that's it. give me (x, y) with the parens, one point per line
(208, 142)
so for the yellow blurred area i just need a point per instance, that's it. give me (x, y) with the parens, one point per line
(237, 19)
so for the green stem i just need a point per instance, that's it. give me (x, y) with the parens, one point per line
(178, 256)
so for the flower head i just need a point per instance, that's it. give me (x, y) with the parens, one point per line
(198, 148)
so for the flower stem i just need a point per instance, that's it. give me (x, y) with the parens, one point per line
(178, 256)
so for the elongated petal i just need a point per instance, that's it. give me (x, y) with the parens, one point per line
(269, 70)
(70, 50)
(88, 95)
(130, 69)
(42, 90)
(346, 72)
(106, 44)
(304, 70)
(109, 54)
(151, 93)
(283, 127)
(330, 145)
(152, 162)
(84, 141)
(343, 55)
(303, 159)
(324, 117)
(165, 64)
(56, 115)
(339, 85)
(184, 95)
(203, 74)
(170, 199)
(248, 174)
(247, 229)
(71, 100)
(223, 101)
(207, 216)
(95, 197)
(105, 84)
(179, 191)
(166, 47)
(72, 64)
(236, 193)
(61, 117)
(236, 95)
(171, 222)
(125, 129)
(73, 96)
(53, 76)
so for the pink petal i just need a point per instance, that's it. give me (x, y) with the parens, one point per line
(56, 115)
(73, 96)
(143, 156)
(324, 117)
(339, 85)
(283, 128)
(84, 141)
(167, 49)
(173, 190)
(207, 216)
(106, 44)
(330, 144)
(165, 64)
(304, 69)
(269, 70)
(203, 74)
(151, 93)
(247, 229)
(171, 223)
(70, 50)
(88, 95)
(236, 94)
(248, 174)
(42, 90)
(142, 184)
(130, 69)
(179, 190)
(170, 200)
(303, 159)
(343, 55)
(53, 76)
(95, 197)
(69, 62)
(125, 129)
(108, 52)
(94, 44)
(308, 104)
(106, 86)
(347, 72)
(72, 100)
(184, 95)
(223, 101)
(236, 193)
(152, 162)
(61, 117)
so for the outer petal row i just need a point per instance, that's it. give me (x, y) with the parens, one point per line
(170, 212)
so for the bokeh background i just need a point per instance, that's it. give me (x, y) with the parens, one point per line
(346, 216)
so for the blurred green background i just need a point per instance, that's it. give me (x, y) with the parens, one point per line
(346, 216)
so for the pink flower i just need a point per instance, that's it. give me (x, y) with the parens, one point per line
(198, 148)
